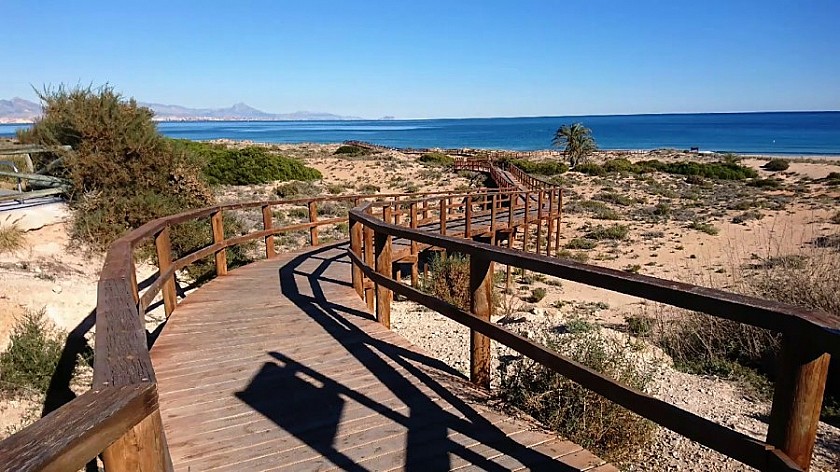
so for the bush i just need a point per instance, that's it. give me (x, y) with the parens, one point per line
(620, 165)
(580, 243)
(711, 170)
(29, 362)
(765, 183)
(437, 158)
(292, 190)
(255, 165)
(590, 168)
(537, 295)
(614, 232)
(836, 218)
(123, 172)
(704, 228)
(582, 416)
(548, 168)
(776, 165)
(369, 189)
(449, 280)
(352, 150)
(615, 198)
(639, 325)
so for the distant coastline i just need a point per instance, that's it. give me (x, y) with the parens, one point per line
(786, 134)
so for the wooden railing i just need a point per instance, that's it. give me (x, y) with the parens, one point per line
(119, 417)
(496, 171)
(809, 337)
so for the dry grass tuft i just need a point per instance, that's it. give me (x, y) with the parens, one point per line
(12, 238)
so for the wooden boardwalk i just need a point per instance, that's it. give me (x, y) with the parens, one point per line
(279, 366)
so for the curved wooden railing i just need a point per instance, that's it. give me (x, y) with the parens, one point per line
(809, 337)
(119, 417)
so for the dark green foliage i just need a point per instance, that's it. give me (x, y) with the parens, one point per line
(351, 150)
(590, 168)
(639, 325)
(122, 171)
(537, 295)
(620, 165)
(614, 232)
(580, 243)
(437, 158)
(777, 165)
(707, 228)
(612, 197)
(295, 189)
(711, 170)
(548, 168)
(449, 280)
(255, 165)
(34, 350)
(765, 183)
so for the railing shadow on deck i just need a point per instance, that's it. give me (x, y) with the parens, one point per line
(427, 424)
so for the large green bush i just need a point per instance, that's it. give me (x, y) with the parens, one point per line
(123, 172)
(548, 168)
(29, 362)
(254, 165)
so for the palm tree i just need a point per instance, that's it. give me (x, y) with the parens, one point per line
(576, 141)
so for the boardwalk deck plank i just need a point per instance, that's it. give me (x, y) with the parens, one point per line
(279, 366)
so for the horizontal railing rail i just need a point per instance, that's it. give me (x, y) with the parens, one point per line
(809, 337)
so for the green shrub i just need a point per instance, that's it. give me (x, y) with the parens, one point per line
(639, 325)
(578, 414)
(711, 170)
(123, 172)
(256, 165)
(765, 183)
(606, 214)
(704, 228)
(293, 190)
(836, 218)
(537, 295)
(437, 158)
(615, 198)
(620, 165)
(614, 232)
(30, 360)
(369, 189)
(777, 165)
(747, 216)
(449, 280)
(352, 150)
(575, 256)
(581, 243)
(662, 209)
(590, 168)
(547, 168)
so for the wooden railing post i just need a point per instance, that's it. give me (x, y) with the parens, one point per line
(557, 223)
(415, 276)
(468, 217)
(356, 248)
(313, 217)
(540, 215)
(526, 221)
(797, 400)
(267, 225)
(443, 210)
(481, 305)
(493, 208)
(550, 222)
(370, 297)
(142, 448)
(164, 255)
(382, 247)
(218, 226)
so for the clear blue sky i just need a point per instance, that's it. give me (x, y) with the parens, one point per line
(434, 58)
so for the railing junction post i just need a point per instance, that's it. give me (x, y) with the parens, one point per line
(218, 226)
(267, 225)
(164, 255)
(481, 305)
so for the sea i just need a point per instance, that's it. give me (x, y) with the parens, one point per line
(777, 133)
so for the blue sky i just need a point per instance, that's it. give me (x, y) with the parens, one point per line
(435, 58)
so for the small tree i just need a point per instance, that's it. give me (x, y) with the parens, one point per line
(576, 141)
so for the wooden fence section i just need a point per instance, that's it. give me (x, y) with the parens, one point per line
(810, 337)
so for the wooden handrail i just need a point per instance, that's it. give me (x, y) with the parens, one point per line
(795, 412)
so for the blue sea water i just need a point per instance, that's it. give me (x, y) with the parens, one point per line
(793, 133)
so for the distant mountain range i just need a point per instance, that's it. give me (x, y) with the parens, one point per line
(18, 110)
